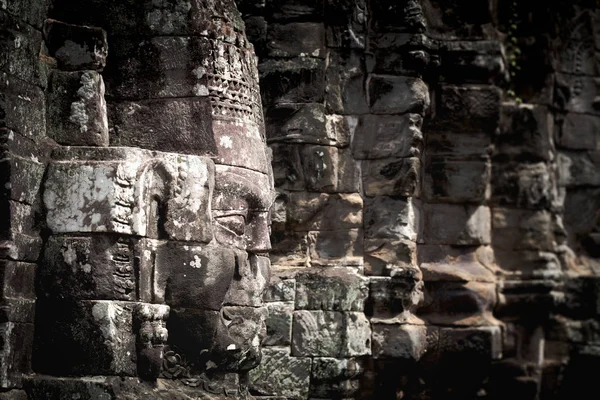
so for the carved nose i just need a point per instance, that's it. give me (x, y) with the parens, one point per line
(258, 233)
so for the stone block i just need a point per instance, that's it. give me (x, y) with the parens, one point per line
(526, 132)
(331, 289)
(528, 264)
(396, 296)
(17, 310)
(21, 247)
(16, 341)
(456, 181)
(281, 289)
(345, 91)
(462, 264)
(14, 395)
(397, 95)
(346, 24)
(336, 248)
(474, 61)
(459, 303)
(175, 125)
(330, 334)
(22, 107)
(292, 81)
(399, 341)
(391, 177)
(289, 248)
(580, 93)
(320, 211)
(17, 280)
(171, 66)
(17, 218)
(335, 378)
(484, 342)
(76, 109)
(384, 256)
(294, 9)
(76, 47)
(280, 374)
(531, 185)
(519, 229)
(391, 218)
(578, 168)
(30, 11)
(15, 144)
(383, 136)
(20, 179)
(21, 45)
(297, 123)
(455, 144)
(279, 324)
(388, 13)
(456, 224)
(467, 109)
(578, 132)
(304, 39)
(99, 334)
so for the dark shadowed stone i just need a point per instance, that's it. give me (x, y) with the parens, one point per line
(280, 289)
(99, 334)
(578, 168)
(332, 378)
(20, 178)
(304, 39)
(293, 9)
(528, 264)
(330, 334)
(396, 296)
(387, 136)
(292, 81)
(579, 132)
(320, 211)
(474, 61)
(467, 109)
(289, 248)
(457, 144)
(400, 341)
(524, 185)
(22, 107)
(76, 47)
(456, 181)
(17, 280)
(16, 341)
(518, 229)
(396, 95)
(582, 94)
(456, 224)
(177, 125)
(391, 177)
(336, 248)
(447, 263)
(21, 46)
(331, 289)
(384, 256)
(279, 374)
(299, 123)
(31, 11)
(345, 90)
(279, 324)
(483, 341)
(526, 132)
(14, 395)
(399, 16)
(459, 303)
(17, 310)
(76, 112)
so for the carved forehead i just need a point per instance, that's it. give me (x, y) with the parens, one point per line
(233, 184)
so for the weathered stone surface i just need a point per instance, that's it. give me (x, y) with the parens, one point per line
(22, 107)
(400, 341)
(336, 248)
(456, 181)
(456, 224)
(279, 324)
(579, 132)
(21, 44)
(280, 289)
(396, 296)
(459, 303)
(447, 263)
(391, 218)
(578, 169)
(320, 211)
(481, 341)
(528, 264)
(296, 39)
(99, 333)
(75, 47)
(20, 178)
(467, 109)
(387, 136)
(384, 256)
(180, 125)
(347, 24)
(518, 229)
(297, 81)
(289, 248)
(474, 61)
(531, 185)
(581, 93)
(17, 280)
(456, 144)
(15, 353)
(396, 95)
(391, 177)
(526, 131)
(331, 289)
(331, 377)
(330, 334)
(76, 112)
(297, 123)
(31, 11)
(281, 375)
(345, 92)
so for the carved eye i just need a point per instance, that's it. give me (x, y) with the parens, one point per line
(234, 223)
